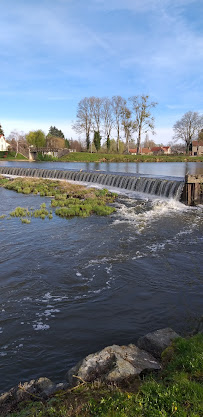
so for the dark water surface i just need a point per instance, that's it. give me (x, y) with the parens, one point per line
(71, 287)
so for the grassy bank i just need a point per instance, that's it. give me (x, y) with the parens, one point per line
(100, 157)
(11, 156)
(68, 200)
(176, 391)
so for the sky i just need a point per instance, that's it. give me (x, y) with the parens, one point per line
(53, 53)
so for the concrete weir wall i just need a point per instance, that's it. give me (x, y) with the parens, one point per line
(193, 190)
(189, 192)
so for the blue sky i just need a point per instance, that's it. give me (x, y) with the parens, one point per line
(55, 52)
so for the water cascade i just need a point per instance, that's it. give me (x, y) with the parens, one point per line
(154, 186)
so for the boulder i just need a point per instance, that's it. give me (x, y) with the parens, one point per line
(32, 390)
(113, 364)
(156, 342)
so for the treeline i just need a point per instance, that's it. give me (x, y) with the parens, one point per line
(98, 117)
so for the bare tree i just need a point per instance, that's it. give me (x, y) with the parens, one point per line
(107, 119)
(187, 128)
(118, 103)
(141, 107)
(84, 117)
(18, 142)
(97, 111)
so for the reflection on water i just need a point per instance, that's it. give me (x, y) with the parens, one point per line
(169, 169)
(71, 287)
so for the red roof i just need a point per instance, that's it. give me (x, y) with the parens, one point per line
(156, 148)
(133, 150)
(196, 143)
(145, 150)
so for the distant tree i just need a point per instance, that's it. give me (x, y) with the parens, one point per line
(84, 117)
(55, 142)
(148, 143)
(97, 140)
(76, 145)
(1, 131)
(18, 142)
(107, 117)
(127, 125)
(36, 138)
(53, 131)
(118, 103)
(141, 107)
(200, 136)
(187, 128)
(67, 144)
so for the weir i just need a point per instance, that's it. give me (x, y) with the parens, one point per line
(155, 186)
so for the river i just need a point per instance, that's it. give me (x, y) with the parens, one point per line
(71, 287)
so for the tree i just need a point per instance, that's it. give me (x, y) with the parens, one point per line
(96, 104)
(141, 107)
(108, 119)
(83, 122)
(118, 103)
(53, 131)
(36, 138)
(67, 144)
(148, 143)
(55, 142)
(97, 140)
(18, 142)
(1, 131)
(200, 136)
(127, 125)
(187, 128)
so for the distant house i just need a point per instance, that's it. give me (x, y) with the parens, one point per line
(145, 151)
(197, 148)
(156, 150)
(133, 151)
(3, 144)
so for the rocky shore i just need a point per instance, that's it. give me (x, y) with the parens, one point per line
(112, 365)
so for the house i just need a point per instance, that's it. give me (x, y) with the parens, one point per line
(161, 150)
(197, 148)
(3, 144)
(133, 151)
(145, 151)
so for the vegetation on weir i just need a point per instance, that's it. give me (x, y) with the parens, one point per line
(176, 391)
(67, 199)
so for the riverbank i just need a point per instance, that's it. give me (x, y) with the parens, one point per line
(101, 157)
(175, 390)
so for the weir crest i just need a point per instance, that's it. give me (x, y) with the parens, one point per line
(155, 186)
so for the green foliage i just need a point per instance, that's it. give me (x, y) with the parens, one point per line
(1, 131)
(19, 212)
(46, 158)
(67, 144)
(36, 138)
(97, 140)
(53, 131)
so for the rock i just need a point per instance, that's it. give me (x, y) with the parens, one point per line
(156, 342)
(113, 364)
(32, 390)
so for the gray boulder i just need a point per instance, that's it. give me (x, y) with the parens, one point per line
(113, 364)
(156, 342)
(32, 390)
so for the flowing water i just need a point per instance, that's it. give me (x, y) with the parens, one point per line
(71, 287)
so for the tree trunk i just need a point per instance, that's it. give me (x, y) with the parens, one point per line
(138, 141)
(118, 138)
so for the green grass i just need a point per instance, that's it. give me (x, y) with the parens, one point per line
(175, 391)
(11, 156)
(102, 157)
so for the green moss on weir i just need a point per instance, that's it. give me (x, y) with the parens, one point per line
(69, 200)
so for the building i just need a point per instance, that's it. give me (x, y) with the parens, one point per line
(133, 151)
(197, 148)
(145, 151)
(3, 144)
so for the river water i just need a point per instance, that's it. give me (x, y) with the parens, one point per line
(71, 287)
